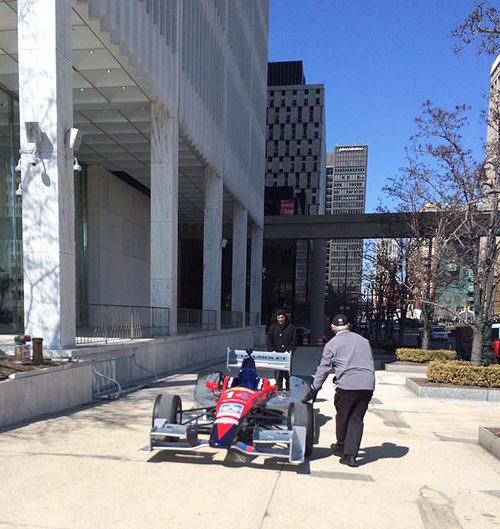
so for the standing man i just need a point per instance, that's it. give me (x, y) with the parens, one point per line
(282, 336)
(350, 355)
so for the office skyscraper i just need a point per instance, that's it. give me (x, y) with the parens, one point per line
(346, 193)
(295, 171)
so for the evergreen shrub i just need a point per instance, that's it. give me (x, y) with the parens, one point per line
(464, 374)
(422, 356)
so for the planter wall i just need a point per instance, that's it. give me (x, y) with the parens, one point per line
(32, 394)
(27, 395)
(453, 392)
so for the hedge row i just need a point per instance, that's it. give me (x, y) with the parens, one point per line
(422, 356)
(464, 374)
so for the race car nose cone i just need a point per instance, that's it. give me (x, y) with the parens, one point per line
(223, 434)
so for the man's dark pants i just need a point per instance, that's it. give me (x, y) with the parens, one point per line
(351, 406)
(281, 376)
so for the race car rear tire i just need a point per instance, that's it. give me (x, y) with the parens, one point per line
(302, 414)
(202, 395)
(168, 407)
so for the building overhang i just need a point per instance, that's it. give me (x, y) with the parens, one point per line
(112, 107)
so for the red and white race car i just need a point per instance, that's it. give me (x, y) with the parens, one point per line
(246, 412)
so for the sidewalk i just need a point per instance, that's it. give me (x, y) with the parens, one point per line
(421, 468)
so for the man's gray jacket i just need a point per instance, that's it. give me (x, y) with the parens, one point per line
(350, 355)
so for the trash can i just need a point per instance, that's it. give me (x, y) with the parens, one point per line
(37, 350)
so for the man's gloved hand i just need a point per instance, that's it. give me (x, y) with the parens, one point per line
(311, 394)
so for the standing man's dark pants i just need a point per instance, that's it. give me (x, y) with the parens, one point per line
(281, 376)
(351, 406)
(284, 376)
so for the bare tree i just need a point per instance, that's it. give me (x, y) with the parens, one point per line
(482, 27)
(422, 187)
(443, 173)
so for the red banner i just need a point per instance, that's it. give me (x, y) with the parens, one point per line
(287, 207)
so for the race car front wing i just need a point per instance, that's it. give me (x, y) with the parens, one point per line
(283, 444)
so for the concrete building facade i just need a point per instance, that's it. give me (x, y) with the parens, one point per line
(295, 173)
(171, 100)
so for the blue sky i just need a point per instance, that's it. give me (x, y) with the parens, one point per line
(379, 60)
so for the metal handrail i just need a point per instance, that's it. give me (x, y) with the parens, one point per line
(105, 322)
(195, 320)
(231, 319)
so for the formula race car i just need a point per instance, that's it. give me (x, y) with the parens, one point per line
(245, 412)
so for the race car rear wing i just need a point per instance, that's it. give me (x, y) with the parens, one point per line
(263, 359)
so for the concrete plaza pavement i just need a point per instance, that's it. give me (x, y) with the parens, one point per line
(420, 468)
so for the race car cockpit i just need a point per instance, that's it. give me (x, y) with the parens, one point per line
(247, 376)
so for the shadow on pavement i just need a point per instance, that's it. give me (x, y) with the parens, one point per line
(319, 421)
(198, 458)
(384, 451)
(320, 453)
(233, 459)
(173, 383)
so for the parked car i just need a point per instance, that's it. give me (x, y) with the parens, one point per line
(439, 334)
(495, 340)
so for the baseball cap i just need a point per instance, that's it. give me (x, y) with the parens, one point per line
(339, 320)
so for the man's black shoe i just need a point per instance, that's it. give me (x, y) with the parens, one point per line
(350, 461)
(337, 450)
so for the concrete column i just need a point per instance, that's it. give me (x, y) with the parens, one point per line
(239, 265)
(256, 270)
(164, 211)
(46, 97)
(212, 244)
(318, 275)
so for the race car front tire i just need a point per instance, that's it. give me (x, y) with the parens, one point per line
(168, 407)
(302, 414)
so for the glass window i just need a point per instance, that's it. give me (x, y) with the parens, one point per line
(11, 256)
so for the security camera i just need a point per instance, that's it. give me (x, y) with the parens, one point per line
(76, 165)
(33, 132)
(74, 138)
(34, 160)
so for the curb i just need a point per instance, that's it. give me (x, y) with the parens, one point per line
(465, 393)
(489, 441)
(406, 368)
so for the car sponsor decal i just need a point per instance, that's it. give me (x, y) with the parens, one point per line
(226, 420)
(231, 409)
